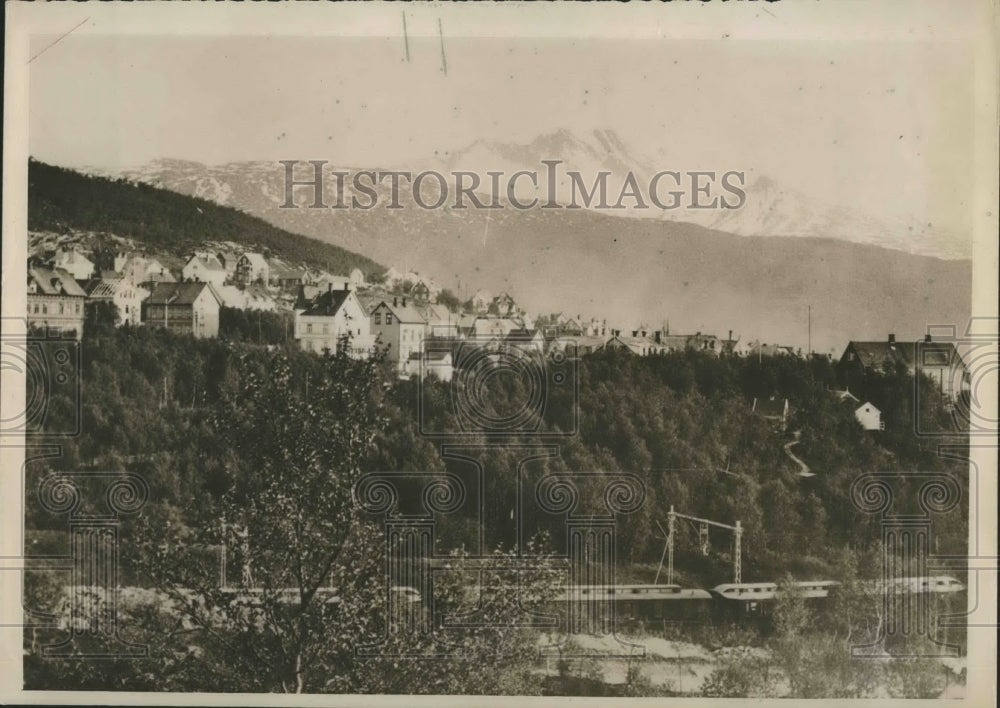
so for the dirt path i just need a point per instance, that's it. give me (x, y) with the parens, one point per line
(803, 467)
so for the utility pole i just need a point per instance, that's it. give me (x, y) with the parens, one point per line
(671, 525)
(810, 330)
(738, 555)
(672, 517)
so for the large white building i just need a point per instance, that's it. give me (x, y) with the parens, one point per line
(204, 269)
(332, 319)
(126, 295)
(399, 329)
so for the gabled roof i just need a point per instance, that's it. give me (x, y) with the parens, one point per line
(769, 349)
(104, 287)
(54, 281)
(876, 354)
(71, 257)
(327, 303)
(207, 262)
(164, 277)
(436, 314)
(179, 293)
(256, 260)
(638, 345)
(282, 271)
(143, 269)
(846, 395)
(405, 315)
(521, 335)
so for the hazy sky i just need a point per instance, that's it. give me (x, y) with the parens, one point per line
(882, 125)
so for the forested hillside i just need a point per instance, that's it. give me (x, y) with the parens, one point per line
(272, 439)
(681, 422)
(62, 200)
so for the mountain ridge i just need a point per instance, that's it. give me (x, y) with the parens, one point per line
(628, 270)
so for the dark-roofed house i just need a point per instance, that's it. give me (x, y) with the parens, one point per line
(286, 276)
(323, 321)
(399, 328)
(252, 268)
(191, 308)
(55, 301)
(939, 361)
(228, 260)
(636, 344)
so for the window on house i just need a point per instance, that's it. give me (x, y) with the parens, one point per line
(326, 329)
(309, 329)
(388, 318)
(45, 309)
(78, 308)
(378, 318)
(62, 309)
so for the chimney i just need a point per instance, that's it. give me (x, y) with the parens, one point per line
(730, 335)
(927, 337)
(346, 285)
(892, 339)
(635, 333)
(656, 336)
(395, 301)
(404, 302)
(329, 287)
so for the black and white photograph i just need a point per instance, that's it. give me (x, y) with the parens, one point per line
(472, 353)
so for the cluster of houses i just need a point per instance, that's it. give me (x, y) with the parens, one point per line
(417, 334)
(940, 361)
(144, 291)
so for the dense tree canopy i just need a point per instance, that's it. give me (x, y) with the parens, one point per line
(265, 443)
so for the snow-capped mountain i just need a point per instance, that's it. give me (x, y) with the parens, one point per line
(598, 263)
(773, 210)
(770, 208)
